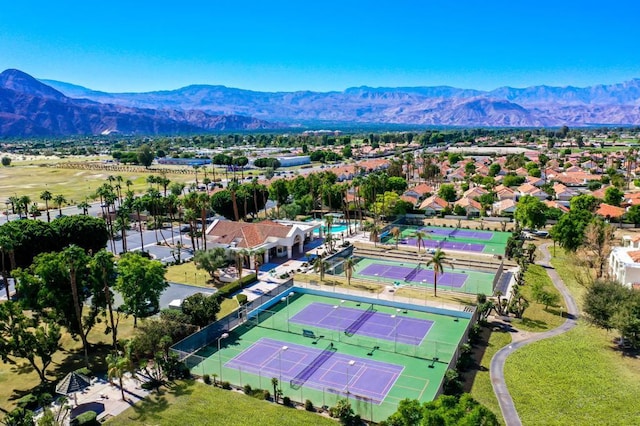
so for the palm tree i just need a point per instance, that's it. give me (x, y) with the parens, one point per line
(233, 188)
(46, 196)
(320, 267)
(84, 206)
(375, 232)
(6, 246)
(420, 236)
(24, 202)
(34, 211)
(258, 259)
(119, 364)
(395, 231)
(59, 200)
(437, 261)
(74, 255)
(349, 266)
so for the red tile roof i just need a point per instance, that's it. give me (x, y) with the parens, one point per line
(607, 210)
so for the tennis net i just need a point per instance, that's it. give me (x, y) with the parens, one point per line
(364, 317)
(308, 371)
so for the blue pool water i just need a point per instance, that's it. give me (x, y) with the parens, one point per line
(335, 229)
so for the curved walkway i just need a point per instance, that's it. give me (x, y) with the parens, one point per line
(497, 362)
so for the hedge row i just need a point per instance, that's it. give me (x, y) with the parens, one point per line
(229, 289)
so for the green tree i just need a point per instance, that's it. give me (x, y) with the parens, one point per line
(46, 196)
(569, 231)
(494, 169)
(59, 200)
(613, 196)
(201, 309)
(279, 192)
(27, 337)
(145, 155)
(602, 300)
(140, 282)
(211, 261)
(119, 364)
(437, 262)
(447, 192)
(6, 161)
(397, 184)
(103, 273)
(530, 212)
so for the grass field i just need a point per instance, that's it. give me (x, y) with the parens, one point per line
(577, 378)
(193, 403)
(536, 318)
(18, 379)
(187, 273)
(32, 178)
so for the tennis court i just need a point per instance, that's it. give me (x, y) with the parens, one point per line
(435, 237)
(367, 322)
(368, 353)
(418, 274)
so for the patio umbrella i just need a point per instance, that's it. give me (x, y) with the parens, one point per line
(72, 383)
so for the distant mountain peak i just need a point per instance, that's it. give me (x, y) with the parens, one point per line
(20, 81)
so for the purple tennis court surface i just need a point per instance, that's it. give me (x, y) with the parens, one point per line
(443, 244)
(414, 274)
(460, 233)
(364, 377)
(401, 329)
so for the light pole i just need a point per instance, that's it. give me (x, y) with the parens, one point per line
(223, 336)
(284, 348)
(351, 363)
(287, 300)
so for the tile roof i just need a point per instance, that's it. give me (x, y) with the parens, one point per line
(607, 210)
(247, 235)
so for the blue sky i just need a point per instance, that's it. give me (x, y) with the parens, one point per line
(141, 45)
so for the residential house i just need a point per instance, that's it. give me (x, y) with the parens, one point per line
(528, 189)
(472, 207)
(563, 193)
(504, 193)
(433, 205)
(506, 207)
(624, 265)
(607, 211)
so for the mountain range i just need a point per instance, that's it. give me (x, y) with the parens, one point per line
(29, 107)
(47, 107)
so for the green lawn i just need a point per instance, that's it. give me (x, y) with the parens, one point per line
(193, 403)
(577, 378)
(481, 389)
(536, 317)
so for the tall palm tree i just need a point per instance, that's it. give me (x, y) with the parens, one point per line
(74, 256)
(6, 246)
(233, 189)
(395, 231)
(59, 200)
(46, 196)
(349, 267)
(320, 267)
(375, 233)
(119, 364)
(420, 236)
(258, 259)
(438, 262)
(24, 203)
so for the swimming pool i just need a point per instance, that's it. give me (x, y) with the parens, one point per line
(335, 229)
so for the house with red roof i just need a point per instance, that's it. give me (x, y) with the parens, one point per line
(607, 211)
(433, 205)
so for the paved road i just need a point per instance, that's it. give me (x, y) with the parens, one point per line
(497, 363)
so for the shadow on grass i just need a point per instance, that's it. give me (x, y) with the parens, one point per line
(533, 324)
(479, 349)
(157, 402)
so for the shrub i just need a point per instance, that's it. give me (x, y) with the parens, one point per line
(85, 371)
(247, 389)
(225, 385)
(308, 405)
(86, 418)
(28, 401)
(207, 379)
(231, 288)
(265, 394)
(286, 401)
(242, 299)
